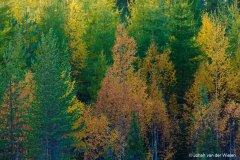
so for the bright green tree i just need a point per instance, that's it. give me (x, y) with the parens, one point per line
(51, 121)
(134, 149)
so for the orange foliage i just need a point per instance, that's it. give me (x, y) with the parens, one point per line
(122, 91)
(97, 135)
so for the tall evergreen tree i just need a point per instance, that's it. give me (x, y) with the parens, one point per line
(54, 16)
(182, 45)
(51, 122)
(12, 110)
(123, 7)
(184, 51)
(147, 23)
(134, 149)
(102, 21)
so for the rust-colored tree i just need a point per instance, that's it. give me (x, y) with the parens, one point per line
(122, 90)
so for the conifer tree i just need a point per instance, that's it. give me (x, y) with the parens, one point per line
(122, 90)
(51, 121)
(233, 33)
(214, 44)
(30, 32)
(123, 8)
(102, 21)
(6, 26)
(207, 143)
(134, 149)
(54, 16)
(76, 29)
(183, 50)
(12, 103)
(158, 72)
(147, 23)
(157, 68)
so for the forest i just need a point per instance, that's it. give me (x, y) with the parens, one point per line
(119, 79)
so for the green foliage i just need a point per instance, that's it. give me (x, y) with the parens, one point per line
(54, 16)
(102, 22)
(123, 7)
(51, 122)
(207, 144)
(12, 108)
(30, 32)
(92, 77)
(182, 45)
(203, 97)
(134, 149)
(41, 118)
(148, 23)
(233, 32)
(7, 25)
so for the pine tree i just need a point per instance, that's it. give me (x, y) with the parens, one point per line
(214, 5)
(134, 149)
(51, 121)
(233, 24)
(13, 104)
(147, 23)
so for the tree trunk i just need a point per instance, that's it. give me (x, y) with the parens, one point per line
(155, 141)
(12, 151)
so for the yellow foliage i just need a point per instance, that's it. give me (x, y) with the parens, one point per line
(76, 28)
(33, 7)
(216, 71)
(157, 68)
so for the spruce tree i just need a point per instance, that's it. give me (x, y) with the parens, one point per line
(182, 45)
(134, 149)
(148, 23)
(51, 122)
(183, 52)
